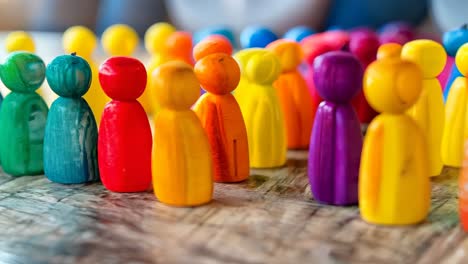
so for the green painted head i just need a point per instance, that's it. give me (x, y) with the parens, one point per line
(22, 72)
(69, 76)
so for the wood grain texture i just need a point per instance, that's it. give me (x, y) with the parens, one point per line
(271, 218)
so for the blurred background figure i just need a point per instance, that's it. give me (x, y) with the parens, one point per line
(279, 15)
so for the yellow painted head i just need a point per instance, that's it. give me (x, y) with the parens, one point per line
(429, 55)
(156, 37)
(389, 50)
(461, 59)
(392, 85)
(175, 85)
(259, 65)
(79, 39)
(119, 40)
(289, 53)
(19, 41)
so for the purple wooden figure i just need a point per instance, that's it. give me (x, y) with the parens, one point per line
(336, 140)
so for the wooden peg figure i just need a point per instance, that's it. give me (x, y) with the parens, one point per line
(456, 128)
(124, 140)
(181, 163)
(429, 111)
(155, 43)
(23, 115)
(389, 50)
(261, 108)
(294, 96)
(394, 183)
(463, 191)
(70, 140)
(179, 47)
(219, 112)
(82, 41)
(336, 140)
(119, 40)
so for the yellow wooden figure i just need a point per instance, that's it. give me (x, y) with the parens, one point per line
(261, 108)
(181, 161)
(155, 43)
(119, 40)
(456, 118)
(82, 40)
(429, 111)
(21, 41)
(394, 183)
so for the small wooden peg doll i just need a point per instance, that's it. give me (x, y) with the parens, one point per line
(429, 110)
(82, 41)
(119, 40)
(294, 96)
(256, 37)
(389, 50)
(394, 183)
(124, 140)
(261, 108)
(179, 47)
(70, 140)
(23, 115)
(181, 163)
(456, 128)
(336, 140)
(218, 110)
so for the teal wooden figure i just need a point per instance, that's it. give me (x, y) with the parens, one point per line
(70, 141)
(23, 115)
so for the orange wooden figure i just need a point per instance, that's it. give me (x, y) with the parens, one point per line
(181, 162)
(295, 99)
(219, 112)
(179, 47)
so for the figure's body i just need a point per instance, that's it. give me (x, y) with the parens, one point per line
(82, 41)
(23, 115)
(70, 140)
(219, 112)
(294, 96)
(456, 118)
(463, 191)
(124, 140)
(364, 44)
(336, 140)
(181, 162)
(261, 108)
(429, 110)
(394, 183)
(156, 44)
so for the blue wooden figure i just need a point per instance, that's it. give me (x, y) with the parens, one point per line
(256, 37)
(70, 141)
(298, 33)
(452, 41)
(23, 115)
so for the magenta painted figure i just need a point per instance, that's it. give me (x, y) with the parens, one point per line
(336, 140)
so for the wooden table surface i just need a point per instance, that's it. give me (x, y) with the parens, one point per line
(271, 218)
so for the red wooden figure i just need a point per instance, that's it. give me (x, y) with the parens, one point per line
(124, 141)
(218, 110)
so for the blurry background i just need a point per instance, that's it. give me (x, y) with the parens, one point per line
(57, 15)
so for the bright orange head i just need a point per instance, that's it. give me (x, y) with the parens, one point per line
(179, 46)
(210, 45)
(389, 50)
(218, 73)
(289, 52)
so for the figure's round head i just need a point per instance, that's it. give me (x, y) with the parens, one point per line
(389, 50)
(289, 53)
(79, 39)
(364, 43)
(179, 46)
(69, 76)
(462, 60)
(256, 37)
(243, 56)
(392, 85)
(19, 41)
(454, 39)
(218, 73)
(122, 78)
(318, 44)
(263, 67)
(119, 40)
(298, 33)
(210, 45)
(156, 37)
(215, 30)
(23, 72)
(429, 55)
(175, 85)
(337, 76)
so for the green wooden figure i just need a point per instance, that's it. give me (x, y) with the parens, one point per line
(23, 115)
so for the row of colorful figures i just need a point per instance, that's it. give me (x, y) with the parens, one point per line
(314, 94)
